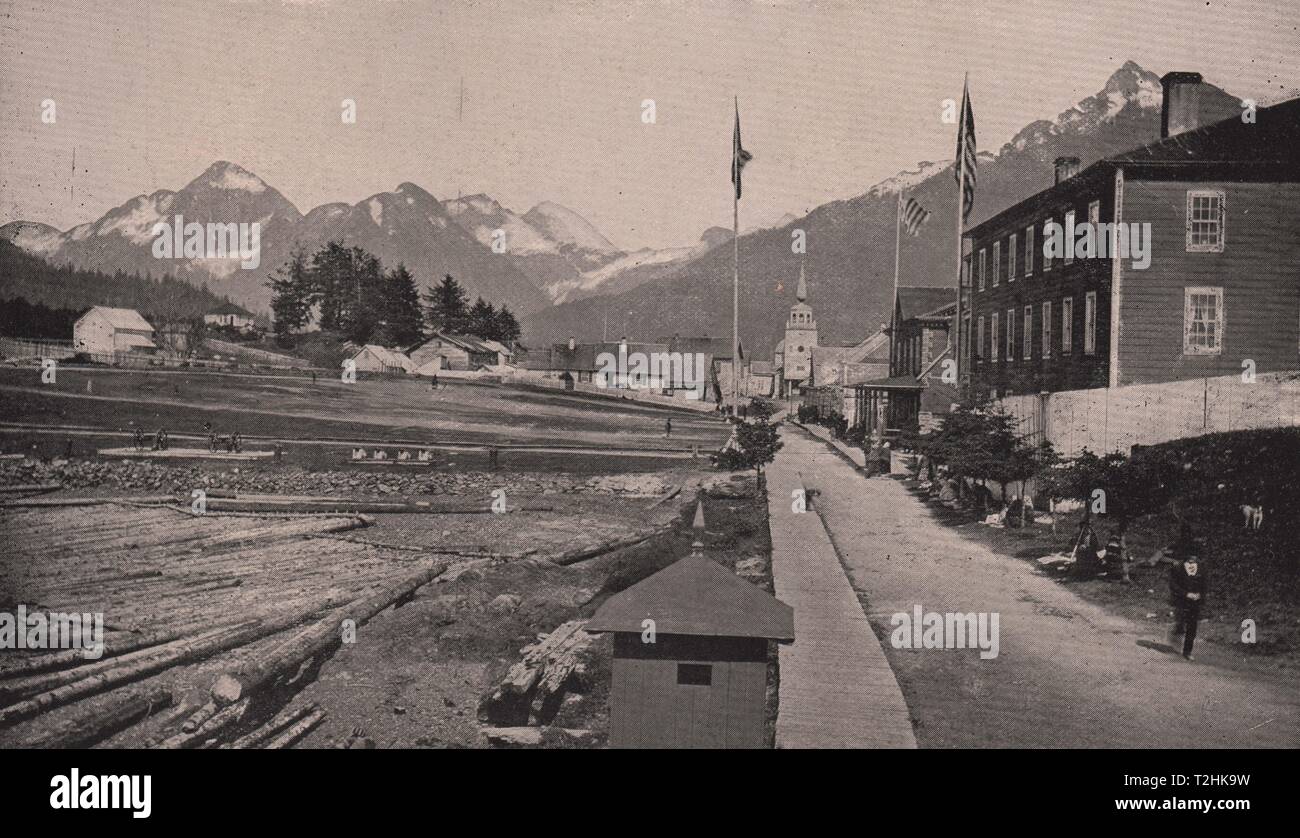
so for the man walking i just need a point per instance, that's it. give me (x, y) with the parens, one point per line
(1187, 588)
(668, 429)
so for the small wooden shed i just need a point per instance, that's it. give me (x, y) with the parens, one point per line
(700, 679)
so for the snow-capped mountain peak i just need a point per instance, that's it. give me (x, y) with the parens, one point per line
(566, 227)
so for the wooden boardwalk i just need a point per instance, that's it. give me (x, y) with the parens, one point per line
(837, 688)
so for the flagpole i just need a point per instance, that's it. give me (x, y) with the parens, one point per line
(735, 282)
(961, 202)
(898, 223)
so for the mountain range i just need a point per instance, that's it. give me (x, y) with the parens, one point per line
(564, 277)
(850, 243)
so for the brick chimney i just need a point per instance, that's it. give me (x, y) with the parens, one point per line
(1066, 168)
(1181, 111)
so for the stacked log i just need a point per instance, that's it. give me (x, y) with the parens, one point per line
(533, 687)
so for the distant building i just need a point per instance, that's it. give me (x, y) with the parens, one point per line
(109, 331)
(794, 354)
(375, 358)
(231, 316)
(913, 394)
(449, 351)
(1220, 290)
(836, 369)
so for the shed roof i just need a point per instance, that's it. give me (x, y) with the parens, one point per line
(697, 596)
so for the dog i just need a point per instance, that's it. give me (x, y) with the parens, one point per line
(1254, 516)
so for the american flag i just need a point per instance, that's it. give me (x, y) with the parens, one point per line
(966, 151)
(914, 215)
(739, 157)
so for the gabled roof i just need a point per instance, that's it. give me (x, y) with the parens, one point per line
(120, 318)
(231, 308)
(387, 357)
(703, 344)
(1227, 150)
(584, 356)
(697, 596)
(916, 301)
(469, 343)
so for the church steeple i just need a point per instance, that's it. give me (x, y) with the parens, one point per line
(801, 293)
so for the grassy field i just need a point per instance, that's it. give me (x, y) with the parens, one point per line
(388, 411)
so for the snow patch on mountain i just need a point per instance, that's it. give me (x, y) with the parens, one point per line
(907, 179)
(563, 225)
(136, 219)
(223, 175)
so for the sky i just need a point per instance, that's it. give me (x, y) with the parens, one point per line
(834, 97)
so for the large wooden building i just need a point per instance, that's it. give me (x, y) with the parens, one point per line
(1213, 288)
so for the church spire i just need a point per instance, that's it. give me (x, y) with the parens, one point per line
(801, 293)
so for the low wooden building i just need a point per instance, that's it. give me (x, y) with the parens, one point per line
(690, 658)
(106, 331)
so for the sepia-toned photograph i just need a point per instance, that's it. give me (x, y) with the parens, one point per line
(588, 374)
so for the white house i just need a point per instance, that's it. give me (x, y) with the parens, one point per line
(375, 358)
(229, 314)
(106, 331)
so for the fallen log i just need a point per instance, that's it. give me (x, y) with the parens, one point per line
(30, 487)
(575, 556)
(532, 686)
(95, 728)
(212, 727)
(16, 688)
(179, 653)
(316, 640)
(282, 720)
(297, 730)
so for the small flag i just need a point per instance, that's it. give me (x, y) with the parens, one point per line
(966, 151)
(914, 215)
(739, 157)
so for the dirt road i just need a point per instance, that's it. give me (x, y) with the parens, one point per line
(1067, 674)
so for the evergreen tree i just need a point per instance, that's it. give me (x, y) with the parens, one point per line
(482, 320)
(507, 327)
(293, 294)
(402, 318)
(447, 306)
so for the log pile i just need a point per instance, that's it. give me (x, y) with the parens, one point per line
(184, 599)
(531, 691)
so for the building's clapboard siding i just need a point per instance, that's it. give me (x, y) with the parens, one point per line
(1077, 370)
(1259, 270)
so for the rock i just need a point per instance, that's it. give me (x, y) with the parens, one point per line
(504, 604)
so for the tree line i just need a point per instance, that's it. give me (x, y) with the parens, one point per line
(347, 290)
(42, 300)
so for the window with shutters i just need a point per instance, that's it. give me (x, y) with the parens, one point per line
(1029, 250)
(1067, 325)
(1047, 329)
(1090, 323)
